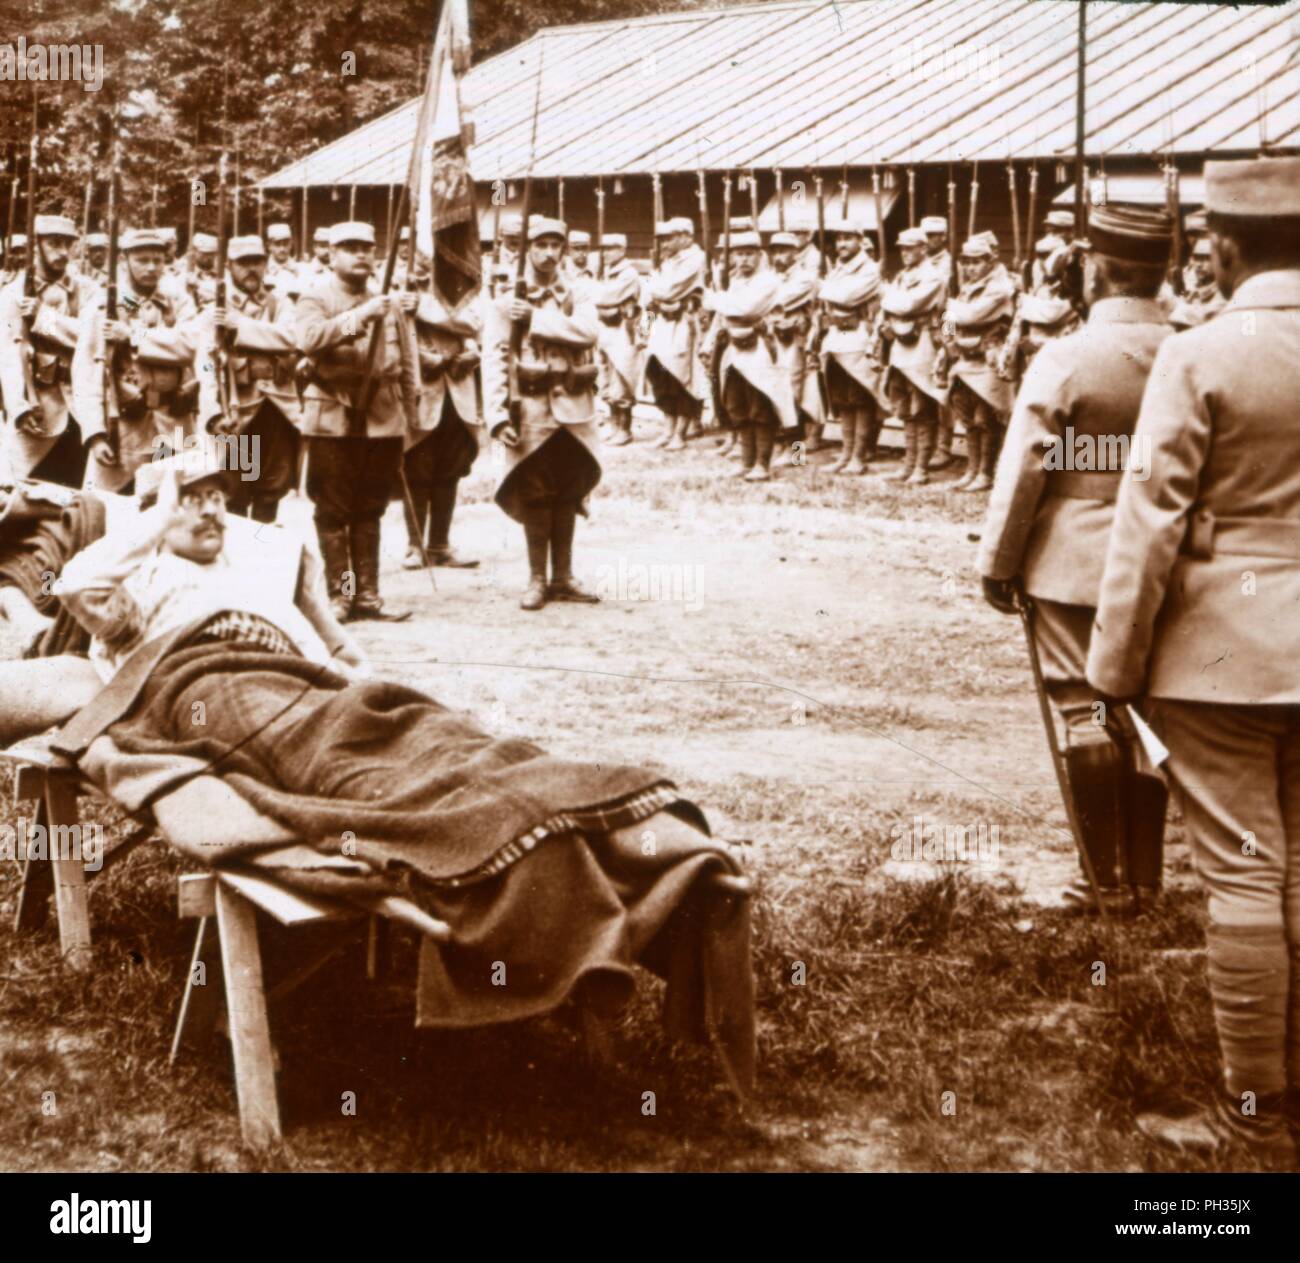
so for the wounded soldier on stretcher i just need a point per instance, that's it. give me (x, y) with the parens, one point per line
(221, 695)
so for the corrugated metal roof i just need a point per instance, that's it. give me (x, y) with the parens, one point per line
(854, 82)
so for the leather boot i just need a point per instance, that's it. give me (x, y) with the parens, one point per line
(904, 471)
(620, 423)
(943, 441)
(340, 579)
(415, 523)
(670, 428)
(1097, 775)
(813, 441)
(442, 506)
(988, 459)
(861, 437)
(564, 518)
(974, 454)
(765, 444)
(869, 436)
(848, 433)
(748, 449)
(925, 433)
(537, 535)
(364, 535)
(728, 444)
(677, 438)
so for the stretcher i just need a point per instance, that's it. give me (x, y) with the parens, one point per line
(225, 982)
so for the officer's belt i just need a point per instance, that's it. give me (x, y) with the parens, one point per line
(1076, 484)
(1210, 536)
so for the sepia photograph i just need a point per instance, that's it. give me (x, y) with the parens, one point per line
(622, 587)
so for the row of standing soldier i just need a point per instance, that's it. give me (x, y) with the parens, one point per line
(775, 347)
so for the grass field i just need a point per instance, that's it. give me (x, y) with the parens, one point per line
(819, 672)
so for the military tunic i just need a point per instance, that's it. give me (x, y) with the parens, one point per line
(556, 458)
(47, 356)
(154, 377)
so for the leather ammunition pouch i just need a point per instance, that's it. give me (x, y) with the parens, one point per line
(1085, 484)
(538, 379)
(462, 366)
(580, 379)
(906, 331)
(261, 368)
(533, 379)
(844, 320)
(50, 369)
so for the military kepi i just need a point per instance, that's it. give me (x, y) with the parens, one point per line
(351, 230)
(1132, 233)
(1261, 186)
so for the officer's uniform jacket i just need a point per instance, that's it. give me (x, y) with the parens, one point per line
(448, 350)
(673, 295)
(791, 325)
(909, 311)
(851, 303)
(154, 376)
(975, 326)
(47, 356)
(1053, 498)
(557, 370)
(1202, 578)
(261, 356)
(328, 333)
(744, 309)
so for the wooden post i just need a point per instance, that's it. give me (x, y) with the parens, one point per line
(69, 873)
(250, 1030)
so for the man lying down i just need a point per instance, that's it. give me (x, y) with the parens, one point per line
(238, 711)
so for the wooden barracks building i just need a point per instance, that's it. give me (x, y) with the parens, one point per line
(917, 96)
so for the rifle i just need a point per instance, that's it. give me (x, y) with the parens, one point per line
(13, 210)
(952, 229)
(1015, 216)
(33, 254)
(880, 215)
(821, 224)
(221, 361)
(974, 197)
(844, 191)
(559, 200)
(600, 228)
(1173, 200)
(726, 231)
(496, 230)
(753, 197)
(704, 221)
(657, 214)
(29, 278)
(780, 202)
(259, 211)
(88, 197)
(911, 196)
(1029, 226)
(517, 327)
(106, 362)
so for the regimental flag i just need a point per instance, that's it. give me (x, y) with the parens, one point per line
(441, 189)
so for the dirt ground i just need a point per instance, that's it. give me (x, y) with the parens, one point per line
(811, 661)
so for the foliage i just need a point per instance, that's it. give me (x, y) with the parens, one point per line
(275, 81)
